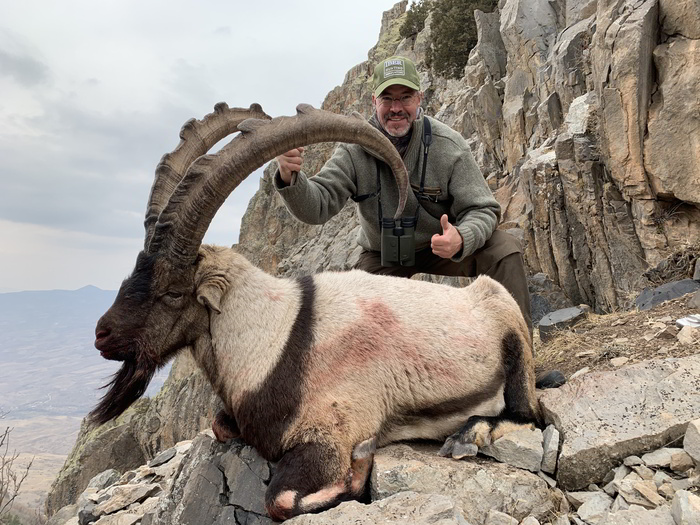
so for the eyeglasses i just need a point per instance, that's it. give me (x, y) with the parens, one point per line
(405, 100)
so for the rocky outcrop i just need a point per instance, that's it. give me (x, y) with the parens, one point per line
(607, 416)
(184, 406)
(204, 481)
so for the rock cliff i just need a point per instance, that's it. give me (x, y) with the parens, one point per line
(585, 119)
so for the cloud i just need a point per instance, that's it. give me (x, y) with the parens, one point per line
(223, 31)
(92, 100)
(85, 171)
(26, 70)
(41, 257)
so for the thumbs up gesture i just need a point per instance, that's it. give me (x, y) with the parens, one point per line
(447, 244)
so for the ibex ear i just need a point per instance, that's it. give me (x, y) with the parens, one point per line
(211, 283)
(210, 296)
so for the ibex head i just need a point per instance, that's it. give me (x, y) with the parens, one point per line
(165, 303)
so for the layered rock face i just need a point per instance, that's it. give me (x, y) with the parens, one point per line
(583, 115)
(594, 136)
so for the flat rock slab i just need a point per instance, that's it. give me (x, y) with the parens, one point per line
(163, 457)
(559, 320)
(406, 507)
(475, 485)
(652, 297)
(608, 416)
(125, 495)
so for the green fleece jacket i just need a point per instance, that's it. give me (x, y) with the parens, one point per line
(452, 177)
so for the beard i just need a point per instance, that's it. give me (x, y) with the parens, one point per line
(127, 385)
(397, 128)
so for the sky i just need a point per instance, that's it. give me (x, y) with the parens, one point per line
(92, 94)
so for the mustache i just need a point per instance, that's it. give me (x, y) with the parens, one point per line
(127, 385)
(390, 114)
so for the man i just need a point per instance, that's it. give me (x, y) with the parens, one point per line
(457, 214)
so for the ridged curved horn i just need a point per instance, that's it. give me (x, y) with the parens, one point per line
(196, 138)
(211, 178)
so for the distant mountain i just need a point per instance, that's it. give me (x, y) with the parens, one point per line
(48, 364)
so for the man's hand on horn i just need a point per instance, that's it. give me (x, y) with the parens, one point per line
(447, 244)
(288, 163)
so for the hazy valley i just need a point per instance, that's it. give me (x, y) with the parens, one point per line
(50, 375)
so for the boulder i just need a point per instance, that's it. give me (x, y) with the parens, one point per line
(607, 416)
(545, 296)
(595, 508)
(682, 461)
(660, 458)
(216, 480)
(398, 509)
(476, 486)
(124, 495)
(521, 448)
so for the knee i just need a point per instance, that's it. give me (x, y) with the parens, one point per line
(282, 505)
(513, 260)
(224, 427)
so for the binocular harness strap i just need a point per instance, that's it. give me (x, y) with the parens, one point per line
(427, 140)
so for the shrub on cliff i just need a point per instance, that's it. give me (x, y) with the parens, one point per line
(453, 34)
(453, 31)
(415, 18)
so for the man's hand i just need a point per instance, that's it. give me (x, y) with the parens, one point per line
(288, 163)
(447, 244)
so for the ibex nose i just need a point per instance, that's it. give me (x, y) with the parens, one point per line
(100, 335)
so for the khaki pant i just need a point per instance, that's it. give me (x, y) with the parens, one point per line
(500, 258)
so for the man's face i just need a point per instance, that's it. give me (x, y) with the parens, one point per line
(396, 108)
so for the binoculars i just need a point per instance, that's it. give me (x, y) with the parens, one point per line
(398, 243)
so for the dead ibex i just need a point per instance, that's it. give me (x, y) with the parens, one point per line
(314, 372)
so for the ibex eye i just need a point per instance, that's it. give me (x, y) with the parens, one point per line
(173, 295)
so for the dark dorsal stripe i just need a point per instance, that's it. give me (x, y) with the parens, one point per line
(265, 414)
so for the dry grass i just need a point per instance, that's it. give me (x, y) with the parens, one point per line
(597, 339)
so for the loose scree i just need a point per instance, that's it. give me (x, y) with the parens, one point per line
(318, 371)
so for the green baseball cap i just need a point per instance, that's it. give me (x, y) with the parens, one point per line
(395, 70)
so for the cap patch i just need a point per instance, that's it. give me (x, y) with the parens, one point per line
(394, 68)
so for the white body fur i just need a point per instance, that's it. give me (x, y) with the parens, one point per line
(382, 347)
